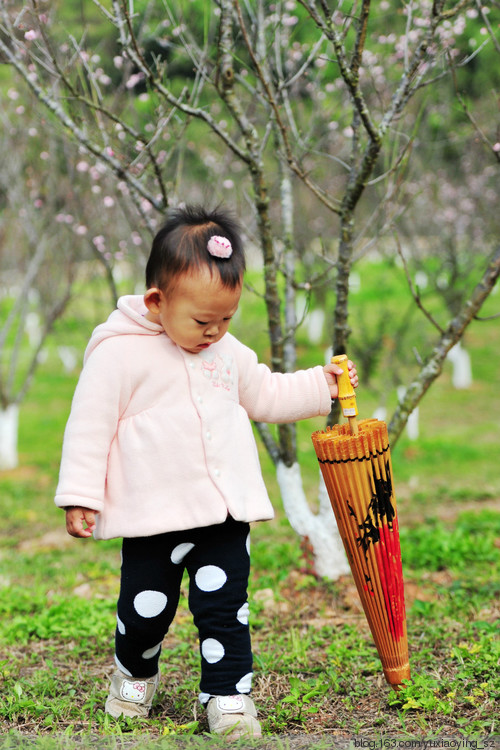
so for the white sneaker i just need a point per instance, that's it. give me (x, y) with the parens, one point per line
(130, 696)
(233, 716)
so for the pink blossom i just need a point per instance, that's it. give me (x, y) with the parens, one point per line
(496, 147)
(134, 79)
(108, 201)
(95, 172)
(31, 35)
(99, 243)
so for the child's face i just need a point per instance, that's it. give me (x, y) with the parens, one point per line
(196, 311)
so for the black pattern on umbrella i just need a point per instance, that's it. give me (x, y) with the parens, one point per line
(380, 507)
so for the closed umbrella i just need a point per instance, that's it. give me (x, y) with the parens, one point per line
(356, 466)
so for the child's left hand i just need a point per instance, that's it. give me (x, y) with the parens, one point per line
(332, 370)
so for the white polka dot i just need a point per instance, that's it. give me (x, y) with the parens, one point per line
(212, 650)
(180, 552)
(150, 652)
(245, 684)
(210, 578)
(150, 603)
(242, 614)
(248, 545)
(121, 667)
(121, 626)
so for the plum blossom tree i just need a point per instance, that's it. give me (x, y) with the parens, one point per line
(36, 273)
(46, 231)
(307, 113)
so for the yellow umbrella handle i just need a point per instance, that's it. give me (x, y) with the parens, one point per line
(347, 397)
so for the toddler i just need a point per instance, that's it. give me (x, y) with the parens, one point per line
(159, 451)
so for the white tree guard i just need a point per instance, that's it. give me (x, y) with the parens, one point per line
(321, 527)
(9, 422)
(462, 371)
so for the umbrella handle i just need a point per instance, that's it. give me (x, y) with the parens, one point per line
(347, 397)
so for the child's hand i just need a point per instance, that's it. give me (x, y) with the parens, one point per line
(80, 522)
(332, 370)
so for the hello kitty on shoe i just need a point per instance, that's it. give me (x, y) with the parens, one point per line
(130, 696)
(233, 716)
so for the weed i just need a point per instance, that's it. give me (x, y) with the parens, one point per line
(421, 693)
(301, 701)
(472, 541)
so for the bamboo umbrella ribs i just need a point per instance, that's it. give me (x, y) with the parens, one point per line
(356, 465)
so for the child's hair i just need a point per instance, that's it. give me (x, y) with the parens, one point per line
(181, 246)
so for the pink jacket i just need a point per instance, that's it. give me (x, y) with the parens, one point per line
(159, 439)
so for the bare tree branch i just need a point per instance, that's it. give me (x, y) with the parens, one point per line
(453, 333)
(414, 292)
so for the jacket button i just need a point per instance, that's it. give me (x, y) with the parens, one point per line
(217, 473)
(208, 435)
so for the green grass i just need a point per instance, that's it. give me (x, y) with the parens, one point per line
(317, 670)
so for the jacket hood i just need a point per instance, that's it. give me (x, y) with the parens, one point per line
(127, 319)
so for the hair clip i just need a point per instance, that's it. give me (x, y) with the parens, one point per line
(219, 247)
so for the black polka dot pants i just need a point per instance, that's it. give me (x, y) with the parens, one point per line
(218, 563)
